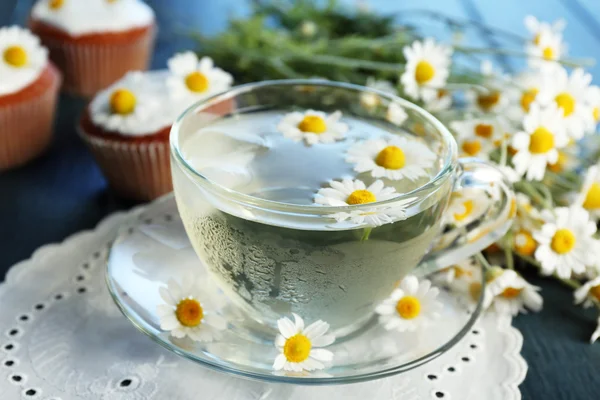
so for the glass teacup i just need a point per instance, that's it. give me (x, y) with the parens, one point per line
(273, 257)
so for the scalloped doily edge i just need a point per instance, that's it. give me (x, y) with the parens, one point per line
(512, 354)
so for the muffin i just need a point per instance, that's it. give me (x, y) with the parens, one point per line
(127, 125)
(94, 42)
(29, 86)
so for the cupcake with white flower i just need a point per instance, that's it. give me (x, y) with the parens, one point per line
(190, 311)
(570, 94)
(427, 69)
(466, 206)
(29, 85)
(477, 137)
(313, 126)
(394, 158)
(301, 348)
(411, 306)
(589, 197)
(370, 100)
(508, 293)
(538, 144)
(350, 192)
(566, 243)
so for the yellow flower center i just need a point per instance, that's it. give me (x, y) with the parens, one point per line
(196, 82)
(513, 208)
(460, 272)
(527, 98)
(536, 39)
(391, 157)
(360, 197)
(595, 292)
(566, 102)
(541, 141)
(424, 72)
(122, 101)
(524, 243)
(471, 148)
(548, 53)
(596, 113)
(511, 293)
(408, 307)
(15, 56)
(189, 312)
(488, 100)
(312, 124)
(563, 241)
(592, 198)
(55, 4)
(559, 165)
(468, 205)
(475, 290)
(297, 348)
(441, 93)
(484, 130)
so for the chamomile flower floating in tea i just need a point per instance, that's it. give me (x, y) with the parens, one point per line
(393, 158)
(371, 100)
(477, 137)
(507, 292)
(570, 94)
(588, 292)
(466, 206)
(313, 126)
(189, 311)
(566, 243)
(352, 192)
(427, 69)
(410, 306)
(301, 347)
(537, 146)
(194, 79)
(396, 114)
(589, 198)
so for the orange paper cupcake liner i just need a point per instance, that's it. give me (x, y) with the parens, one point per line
(134, 170)
(26, 124)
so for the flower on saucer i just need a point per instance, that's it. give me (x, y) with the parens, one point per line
(565, 241)
(371, 100)
(192, 79)
(589, 197)
(393, 158)
(352, 192)
(588, 292)
(300, 347)
(313, 126)
(427, 69)
(127, 105)
(189, 311)
(412, 305)
(537, 146)
(536, 27)
(477, 137)
(396, 114)
(548, 49)
(570, 94)
(22, 58)
(508, 293)
(466, 206)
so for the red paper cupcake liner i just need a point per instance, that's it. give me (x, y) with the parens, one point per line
(134, 170)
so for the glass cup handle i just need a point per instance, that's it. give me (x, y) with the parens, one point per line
(459, 243)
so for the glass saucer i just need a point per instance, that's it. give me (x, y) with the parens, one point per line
(154, 248)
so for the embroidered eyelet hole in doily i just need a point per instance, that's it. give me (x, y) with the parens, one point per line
(81, 290)
(32, 393)
(10, 363)
(439, 395)
(13, 333)
(25, 318)
(60, 296)
(10, 347)
(17, 379)
(432, 377)
(39, 307)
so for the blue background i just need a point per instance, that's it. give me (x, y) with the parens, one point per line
(63, 191)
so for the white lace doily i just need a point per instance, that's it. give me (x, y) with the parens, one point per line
(62, 338)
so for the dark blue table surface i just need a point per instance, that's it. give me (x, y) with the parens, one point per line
(63, 191)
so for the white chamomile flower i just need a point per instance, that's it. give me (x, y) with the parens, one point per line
(371, 100)
(536, 27)
(130, 105)
(313, 126)
(466, 206)
(546, 51)
(193, 79)
(190, 311)
(565, 241)
(596, 333)
(588, 292)
(494, 99)
(508, 293)
(465, 270)
(537, 146)
(22, 59)
(300, 346)
(411, 306)
(523, 92)
(393, 158)
(509, 173)
(427, 69)
(477, 137)
(570, 94)
(527, 216)
(593, 101)
(352, 192)
(396, 114)
(589, 197)
(442, 101)
(524, 243)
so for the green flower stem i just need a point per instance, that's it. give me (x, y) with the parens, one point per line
(529, 189)
(503, 152)
(569, 62)
(508, 253)
(481, 258)
(366, 234)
